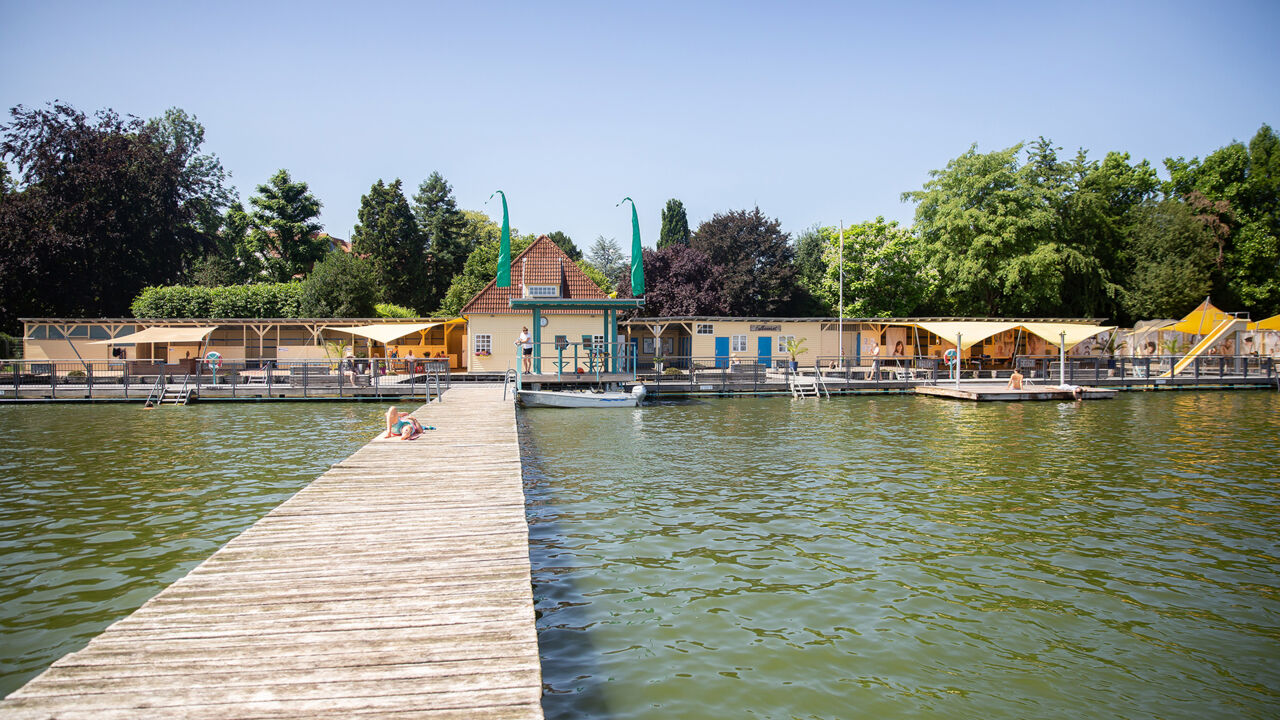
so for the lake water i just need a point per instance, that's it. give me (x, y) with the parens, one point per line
(103, 506)
(909, 558)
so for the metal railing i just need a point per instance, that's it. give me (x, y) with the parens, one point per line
(582, 359)
(718, 374)
(356, 377)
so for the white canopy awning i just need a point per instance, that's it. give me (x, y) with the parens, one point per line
(971, 331)
(385, 332)
(161, 335)
(1076, 332)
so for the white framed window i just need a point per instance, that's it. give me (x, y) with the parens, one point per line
(543, 290)
(782, 342)
(704, 329)
(646, 346)
(483, 343)
(738, 343)
(597, 341)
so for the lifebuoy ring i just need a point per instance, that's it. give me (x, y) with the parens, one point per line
(213, 359)
(951, 356)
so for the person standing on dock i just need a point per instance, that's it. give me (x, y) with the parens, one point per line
(525, 341)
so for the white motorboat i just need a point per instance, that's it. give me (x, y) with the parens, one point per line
(580, 398)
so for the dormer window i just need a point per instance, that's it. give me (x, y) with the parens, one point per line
(546, 291)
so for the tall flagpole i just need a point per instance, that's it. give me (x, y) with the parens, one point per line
(840, 323)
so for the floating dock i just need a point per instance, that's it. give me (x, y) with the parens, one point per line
(396, 584)
(1001, 392)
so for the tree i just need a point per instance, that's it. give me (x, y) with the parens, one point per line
(810, 266)
(754, 259)
(340, 285)
(447, 239)
(679, 281)
(885, 272)
(480, 269)
(99, 208)
(987, 223)
(565, 243)
(1174, 260)
(600, 279)
(387, 235)
(1247, 180)
(606, 256)
(203, 177)
(675, 225)
(284, 234)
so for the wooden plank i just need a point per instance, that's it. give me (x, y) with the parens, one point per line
(396, 584)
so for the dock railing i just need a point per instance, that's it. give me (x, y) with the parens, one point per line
(359, 377)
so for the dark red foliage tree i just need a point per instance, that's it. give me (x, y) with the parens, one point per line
(754, 262)
(97, 210)
(679, 281)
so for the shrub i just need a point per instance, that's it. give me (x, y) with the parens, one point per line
(388, 310)
(340, 285)
(270, 300)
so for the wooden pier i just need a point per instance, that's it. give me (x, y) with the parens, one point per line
(396, 584)
(1001, 392)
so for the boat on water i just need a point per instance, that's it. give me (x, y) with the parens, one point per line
(580, 398)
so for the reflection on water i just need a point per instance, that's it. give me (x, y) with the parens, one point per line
(904, 557)
(102, 506)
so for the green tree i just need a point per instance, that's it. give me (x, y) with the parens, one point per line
(810, 265)
(600, 279)
(565, 243)
(341, 285)
(755, 261)
(1247, 179)
(203, 177)
(1174, 256)
(447, 237)
(885, 272)
(675, 225)
(606, 256)
(388, 237)
(988, 225)
(480, 269)
(284, 234)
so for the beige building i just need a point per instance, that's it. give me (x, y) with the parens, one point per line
(564, 339)
(724, 341)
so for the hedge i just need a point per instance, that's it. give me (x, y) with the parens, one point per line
(269, 300)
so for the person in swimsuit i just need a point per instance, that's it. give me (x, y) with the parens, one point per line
(402, 424)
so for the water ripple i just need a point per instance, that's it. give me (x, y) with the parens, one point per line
(103, 506)
(902, 557)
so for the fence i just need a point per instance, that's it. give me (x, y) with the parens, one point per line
(766, 375)
(354, 377)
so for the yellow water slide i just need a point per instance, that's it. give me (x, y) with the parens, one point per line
(1230, 324)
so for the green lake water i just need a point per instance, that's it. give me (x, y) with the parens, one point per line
(898, 557)
(102, 506)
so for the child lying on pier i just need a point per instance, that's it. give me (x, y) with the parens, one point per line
(402, 425)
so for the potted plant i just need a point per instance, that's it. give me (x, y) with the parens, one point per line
(658, 360)
(795, 347)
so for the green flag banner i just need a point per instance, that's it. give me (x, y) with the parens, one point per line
(637, 262)
(504, 249)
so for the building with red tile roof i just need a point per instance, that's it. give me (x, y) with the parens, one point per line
(542, 271)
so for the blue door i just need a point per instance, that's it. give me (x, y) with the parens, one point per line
(722, 352)
(764, 349)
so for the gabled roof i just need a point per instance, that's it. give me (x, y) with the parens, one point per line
(542, 263)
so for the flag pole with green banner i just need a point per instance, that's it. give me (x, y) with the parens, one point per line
(504, 249)
(637, 263)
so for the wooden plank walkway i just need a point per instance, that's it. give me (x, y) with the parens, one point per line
(395, 585)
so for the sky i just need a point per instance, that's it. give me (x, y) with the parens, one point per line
(816, 112)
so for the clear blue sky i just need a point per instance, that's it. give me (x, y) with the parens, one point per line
(816, 112)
